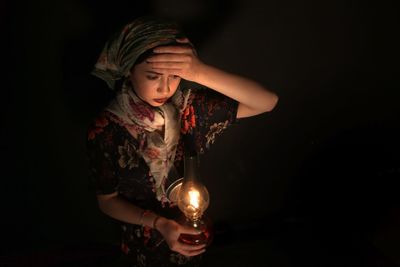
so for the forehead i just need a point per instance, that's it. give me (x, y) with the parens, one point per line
(145, 68)
(142, 67)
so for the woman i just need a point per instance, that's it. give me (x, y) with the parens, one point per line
(136, 141)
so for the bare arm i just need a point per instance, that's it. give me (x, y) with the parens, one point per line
(118, 208)
(253, 98)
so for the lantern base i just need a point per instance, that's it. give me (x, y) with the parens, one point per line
(203, 224)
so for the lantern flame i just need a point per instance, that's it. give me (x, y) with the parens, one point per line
(194, 196)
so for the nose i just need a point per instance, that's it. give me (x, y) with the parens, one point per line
(163, 87)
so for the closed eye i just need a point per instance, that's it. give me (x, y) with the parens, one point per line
(152, 77)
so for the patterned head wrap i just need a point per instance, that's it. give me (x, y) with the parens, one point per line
(121, 52)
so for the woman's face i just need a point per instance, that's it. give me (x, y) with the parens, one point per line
(153, 87)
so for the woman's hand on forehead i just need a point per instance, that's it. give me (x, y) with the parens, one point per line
(179, 60)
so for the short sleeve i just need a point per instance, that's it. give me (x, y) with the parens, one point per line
(207, 116)
(100, 152)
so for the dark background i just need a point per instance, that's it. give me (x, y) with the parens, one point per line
(313, 183)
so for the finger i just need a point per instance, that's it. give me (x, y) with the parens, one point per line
(169, 58)
(169, 65)
(172, 73)
(196, 252)
(189, 230)
(181, 49)
(169, 72)
(182, 40)
(187, 247)
(192, 252)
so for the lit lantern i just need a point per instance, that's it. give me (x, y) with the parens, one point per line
(193, 200)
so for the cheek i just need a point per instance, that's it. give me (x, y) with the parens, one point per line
(145, 87)
(175, 83)
(149, 86)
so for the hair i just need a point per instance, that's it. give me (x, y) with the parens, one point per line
(144, 56)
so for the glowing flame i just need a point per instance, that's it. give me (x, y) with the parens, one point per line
(194, 198)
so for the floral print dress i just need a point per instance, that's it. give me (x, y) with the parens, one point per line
(116, 167)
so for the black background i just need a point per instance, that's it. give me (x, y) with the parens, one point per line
(313, 183)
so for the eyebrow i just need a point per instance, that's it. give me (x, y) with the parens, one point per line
(153, 72)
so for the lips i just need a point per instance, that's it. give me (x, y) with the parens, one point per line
(160, 100)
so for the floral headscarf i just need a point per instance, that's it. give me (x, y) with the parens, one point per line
(121, 52)
(143, 121)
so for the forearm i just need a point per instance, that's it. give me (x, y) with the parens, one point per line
(245, 91)
(122, 210)
(181, 61)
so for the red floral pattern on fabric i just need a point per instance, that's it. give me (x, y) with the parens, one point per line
(142, 111)
(188, 119)
(152, 153)
(124, 247)
(98, 126)
(114, 118)
(146, 234)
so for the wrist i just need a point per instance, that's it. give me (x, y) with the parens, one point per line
(200, 72)
(159, 223)
(155, 222)
(147, 218)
